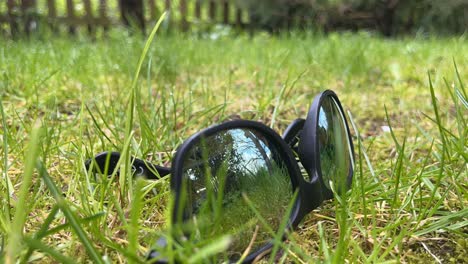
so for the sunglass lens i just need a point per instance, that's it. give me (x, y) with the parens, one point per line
(227, 173)
(334, 145)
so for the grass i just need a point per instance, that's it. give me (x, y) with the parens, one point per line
(64, 100)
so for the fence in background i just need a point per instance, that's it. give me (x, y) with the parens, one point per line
(28, 15)
(385, 16)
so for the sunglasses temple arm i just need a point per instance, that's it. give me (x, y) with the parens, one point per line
(108, 161)
(149, 170)
(292, 132)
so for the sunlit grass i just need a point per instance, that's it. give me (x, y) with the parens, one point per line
(64, 100)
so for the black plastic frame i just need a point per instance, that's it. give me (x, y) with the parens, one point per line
(308, 152)
(283, 149)
(299, 137)
(308, 149)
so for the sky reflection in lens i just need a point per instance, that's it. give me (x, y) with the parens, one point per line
(334, 147)
(224, 170)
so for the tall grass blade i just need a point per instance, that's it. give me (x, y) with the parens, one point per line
(22, 204)
(398, 170)
(138, 70)
(6, 179)
(461, 91)
(74, 221)
(324, 247)
(363, 150)
(361, 169)
(98, 127)
(131, 108)
(437, 118)
(134, 226)
(280, 96)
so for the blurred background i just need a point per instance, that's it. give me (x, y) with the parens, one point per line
(387, 17)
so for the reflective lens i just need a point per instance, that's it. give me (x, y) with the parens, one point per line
(334, 146)
(227, 173)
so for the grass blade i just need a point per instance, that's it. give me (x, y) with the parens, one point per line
(36, 244)
(134, 226)
(446, 222)
(6, 179)
(22, 208)
(216, 246)
(42, 231)
(74, 221)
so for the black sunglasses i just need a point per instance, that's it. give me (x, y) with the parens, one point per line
(241, 178)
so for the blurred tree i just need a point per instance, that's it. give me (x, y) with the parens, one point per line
(132, 13)
(273, 15)
(449, 16)
(389, 17)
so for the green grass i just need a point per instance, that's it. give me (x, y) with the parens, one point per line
(64, 100)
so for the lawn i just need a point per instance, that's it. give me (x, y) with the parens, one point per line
(65, 99)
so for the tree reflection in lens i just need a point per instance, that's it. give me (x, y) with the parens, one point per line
(334, 148)
(224, 170)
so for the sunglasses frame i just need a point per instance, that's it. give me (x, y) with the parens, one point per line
(312, 193)
(308, 151)
(299, 139)
(283, 150)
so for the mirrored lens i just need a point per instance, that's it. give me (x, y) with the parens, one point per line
(224, 176)
(334, 146)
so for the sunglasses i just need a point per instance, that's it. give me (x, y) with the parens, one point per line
(243, 179)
